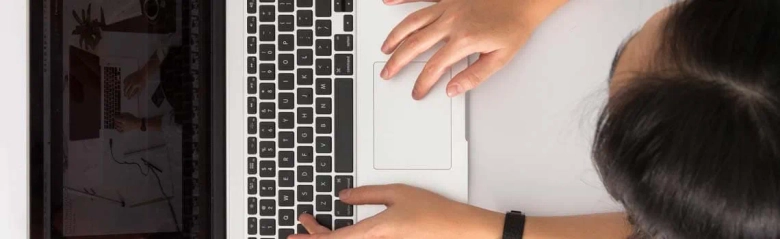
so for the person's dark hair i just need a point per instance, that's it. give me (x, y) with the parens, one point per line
(691, 147)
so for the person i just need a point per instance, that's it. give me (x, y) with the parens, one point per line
(688, 142)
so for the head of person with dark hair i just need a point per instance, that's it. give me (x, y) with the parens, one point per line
(689, 141)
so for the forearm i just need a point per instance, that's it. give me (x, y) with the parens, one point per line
(595, 226)
(541, 9)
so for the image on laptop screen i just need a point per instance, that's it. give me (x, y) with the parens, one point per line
(123, 110)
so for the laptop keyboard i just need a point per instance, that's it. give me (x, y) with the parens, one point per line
(112, 95)
(300, 117)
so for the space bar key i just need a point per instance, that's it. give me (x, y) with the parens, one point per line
(344, 126)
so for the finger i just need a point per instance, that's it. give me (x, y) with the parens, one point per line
(358, 230)
(410, 24)
(412, 47)
(378, 194)
(133, 92)
(487, 65)
(451, 53)
(394, 2)
(311, 224)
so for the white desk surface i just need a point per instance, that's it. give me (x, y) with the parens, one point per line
(530, 126)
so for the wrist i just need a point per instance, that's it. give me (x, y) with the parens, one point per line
(490, 225)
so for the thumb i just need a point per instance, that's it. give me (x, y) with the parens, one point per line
(379, 194)
(487, 65)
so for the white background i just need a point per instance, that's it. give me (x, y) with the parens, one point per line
(530, 124)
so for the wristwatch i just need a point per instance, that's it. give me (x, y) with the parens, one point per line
(514, 225)
(143, 124)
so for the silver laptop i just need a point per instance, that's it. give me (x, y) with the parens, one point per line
(308, 115)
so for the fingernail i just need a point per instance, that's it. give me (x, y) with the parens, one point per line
(414, 94)
(344, 193)
(454, 90)
(385, 73)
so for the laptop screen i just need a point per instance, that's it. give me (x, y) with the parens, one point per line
(127, 119)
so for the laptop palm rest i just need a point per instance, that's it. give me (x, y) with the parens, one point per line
(410, 134)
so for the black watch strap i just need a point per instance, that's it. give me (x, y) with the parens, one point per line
(514, 225)
(143, 124)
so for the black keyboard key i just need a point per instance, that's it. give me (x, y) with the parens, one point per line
(252, 105)
(267, 169)
(341, 209)
(251, 25)
(267, 227)
(305, 76)
(323, 28)
(286, 62)
(324, 67)
(305, 97)
(343, 66)
(267, 32)
(267, 149)
(324, 125)
(252, 165)
(305, 208)
(325, 220)
(267, 72)
(286, 81)
(267, 13)
(343, 43)
(324, 184)
(251, 125)
(305, 37)
(267, 130)
(305, 57)
(324, 106)
(323, 8)
(286, 42)
(267, 52)
(305, 135)
(338, 5)
(324, 145)
(252, 145)
(305, 174)
(286, 198)
(251, 65)
(267, 188)
(286, 233)
(267, 207)
(343, 131)
(348, 5)
(342, 182)
(301, 230)
(286, 140)
(286, 101)
(305, 193)
(342, 223)
(323, 203)
(251, 44)
(267, 91)
(305, 115)
(286, 6)
(252, 186)
(305, 18)
(252, 226)
(267, 110)
(252, 205)
(286, 120)
(323, 86)
(286, 23)
(305, 3)
(349, 22)
(286, 159)
(286, 178)
(286, 217)
(305, 154)
(251, 6)
(324, 164)
(323, 47)
(251, 85)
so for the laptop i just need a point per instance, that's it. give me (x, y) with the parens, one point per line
(279, 106)
(308, 115)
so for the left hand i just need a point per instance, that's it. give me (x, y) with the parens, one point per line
(411, 213)
(127, 122)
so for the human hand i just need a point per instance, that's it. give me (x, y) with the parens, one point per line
(411, 213)
(135, 82)
(496, 29)
(127, 122)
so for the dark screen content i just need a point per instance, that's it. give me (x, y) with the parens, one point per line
(129, 105)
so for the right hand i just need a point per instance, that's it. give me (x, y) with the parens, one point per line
(135, 82)
(496, 29)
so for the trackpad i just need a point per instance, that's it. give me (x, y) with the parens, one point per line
(410, 134)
